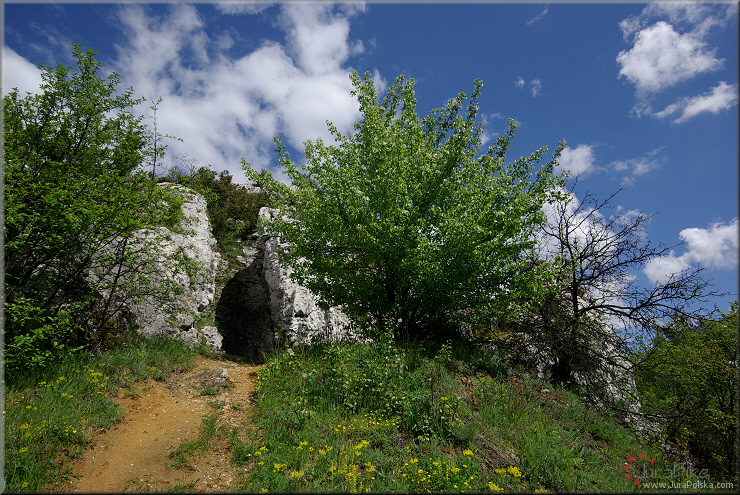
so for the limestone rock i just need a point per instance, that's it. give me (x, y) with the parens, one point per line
(197, 248)
(208, 336)
(295, 310)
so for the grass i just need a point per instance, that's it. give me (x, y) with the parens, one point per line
(347, 418)
(342, 418)
(180, 456)
(52, 414)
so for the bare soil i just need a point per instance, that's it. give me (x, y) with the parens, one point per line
(133, 455)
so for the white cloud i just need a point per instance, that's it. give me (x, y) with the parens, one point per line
(19, 73)
(669, 47)
(487, 120)
(661, 58)
(578, 160)
(721, 97)
(637, 167)
(237, 8)
(535, 85)
(538, 18)
(318, 37)
(225, 107)
(715, 247)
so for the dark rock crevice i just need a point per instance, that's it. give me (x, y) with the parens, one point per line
(243, 314)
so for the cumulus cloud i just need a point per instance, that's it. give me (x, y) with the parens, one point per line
(578, 160)
(721, 97)
(670, 47)
(715, 247)
(19, 73)
(661, 58)
(228, 107)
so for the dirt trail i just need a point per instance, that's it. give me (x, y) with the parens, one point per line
(134, 454)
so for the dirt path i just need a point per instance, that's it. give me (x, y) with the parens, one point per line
(134, 454)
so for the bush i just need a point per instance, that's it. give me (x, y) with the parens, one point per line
(76, 199)
(233, 211)
(377, 379)
(689, 377)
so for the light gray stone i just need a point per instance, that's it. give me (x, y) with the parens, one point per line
(196, 246)
(296, 312)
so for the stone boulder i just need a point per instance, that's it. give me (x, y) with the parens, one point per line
(196, 246)
(296, 312)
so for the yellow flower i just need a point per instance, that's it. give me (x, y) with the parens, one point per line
(541, 490)
(24, 484)
(414, 461)
(468, 452)
(500, 471)
(514, 471)
(24, 449)
(494, 487)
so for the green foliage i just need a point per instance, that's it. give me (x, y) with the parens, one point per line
(404, 220)
(379, 378)
(75, 198)
(689, 377)
(232, 211)
(323, 426)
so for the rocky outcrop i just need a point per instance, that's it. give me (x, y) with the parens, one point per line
(262, 302)
(296, 312)
(189, 260)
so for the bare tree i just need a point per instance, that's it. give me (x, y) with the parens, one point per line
(601, 309)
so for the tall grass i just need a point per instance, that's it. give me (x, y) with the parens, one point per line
(51, 414)
(378, 418)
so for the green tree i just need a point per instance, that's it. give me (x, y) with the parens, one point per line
(689, 377)
(77, 201)
(405, 221)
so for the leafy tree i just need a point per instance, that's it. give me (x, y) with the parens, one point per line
(405, 221)
(77, 201)
(688, 378)
(601, 310)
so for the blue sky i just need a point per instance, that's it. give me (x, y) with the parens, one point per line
(646, 95)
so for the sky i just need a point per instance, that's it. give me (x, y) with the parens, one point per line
(645, 95)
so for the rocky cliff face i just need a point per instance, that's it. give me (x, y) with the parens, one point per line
(295, 310)
(261, 302)
(197, 249)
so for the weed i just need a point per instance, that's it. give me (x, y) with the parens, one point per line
(52, 413)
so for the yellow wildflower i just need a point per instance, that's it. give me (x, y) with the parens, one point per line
(514, 471)
(494, 487)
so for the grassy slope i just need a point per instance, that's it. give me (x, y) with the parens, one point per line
(348, 418)
(343, 418)
(52, 414)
